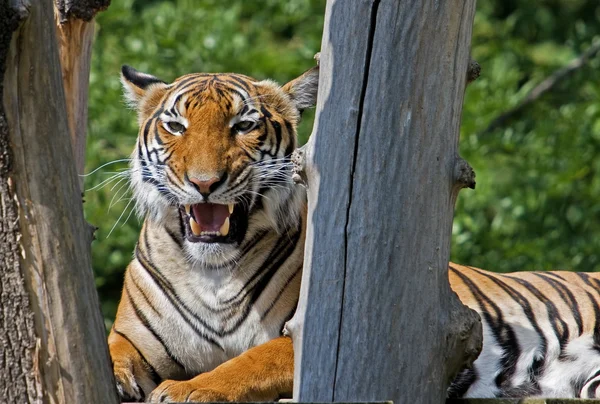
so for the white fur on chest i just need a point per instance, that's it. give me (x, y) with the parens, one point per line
(207, 316)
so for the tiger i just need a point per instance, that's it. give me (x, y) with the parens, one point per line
(216, 271)
(217, 266)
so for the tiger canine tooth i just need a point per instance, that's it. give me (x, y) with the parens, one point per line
(224, 230)
(195, 227)
(187, 209)
(230, 206)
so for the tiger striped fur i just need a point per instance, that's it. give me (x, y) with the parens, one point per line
(218, 263)
(541, 333)
(209, 310)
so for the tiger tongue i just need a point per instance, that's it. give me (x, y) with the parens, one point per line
(210, 216)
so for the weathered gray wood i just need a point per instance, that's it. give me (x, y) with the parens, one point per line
(45, 266)
(377, 319)
(330, 231)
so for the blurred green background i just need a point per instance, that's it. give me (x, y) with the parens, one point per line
(537, 201)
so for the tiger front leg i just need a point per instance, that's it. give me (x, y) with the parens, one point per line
(263, 373)
(134, 377)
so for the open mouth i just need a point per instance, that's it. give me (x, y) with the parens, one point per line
(213, 222)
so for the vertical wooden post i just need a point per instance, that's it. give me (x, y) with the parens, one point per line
(52, 336)
(377, 319)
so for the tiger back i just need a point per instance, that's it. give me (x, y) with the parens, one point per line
(218, 263)
(541, 333)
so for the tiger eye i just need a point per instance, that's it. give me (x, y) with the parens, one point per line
(175, 127)
(244, 126)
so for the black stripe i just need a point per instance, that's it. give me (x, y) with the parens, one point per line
(503, 332)
(592, 387)
(280, 293)
(567, 296)
(156, 378)
(157, 138)
(289, 149)
(537, 366)
(271, 264)
(239, 94)
(146, 132)
(262, 283)
(586, 278)
(144, 295)
(176, 239)
(167, 157)
(265, 112)
(169, 290)
(263, 136)
(555, 275)
(241, 82)
(155, 151)
(144, 320)
(277, 127)
(176, 301)
(181, 307)
(275, 252)
(173, 180)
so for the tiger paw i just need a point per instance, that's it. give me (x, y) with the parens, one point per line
(171, 390)
(127, 385)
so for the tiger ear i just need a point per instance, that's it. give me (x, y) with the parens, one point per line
(303, 90)
(140, 87)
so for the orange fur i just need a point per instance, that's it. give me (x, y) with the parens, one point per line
(263, 373)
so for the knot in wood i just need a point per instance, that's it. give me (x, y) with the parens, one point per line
(298, 166)
(473, 71)
(464, 176)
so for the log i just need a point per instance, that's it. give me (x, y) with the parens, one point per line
(52, 337)
(377, 319)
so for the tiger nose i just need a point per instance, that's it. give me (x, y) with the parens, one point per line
(205, 187)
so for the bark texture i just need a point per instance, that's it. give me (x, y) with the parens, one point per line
(52, 339)
(377, 319)
(18, 382)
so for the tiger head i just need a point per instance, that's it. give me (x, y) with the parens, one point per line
(213, 152)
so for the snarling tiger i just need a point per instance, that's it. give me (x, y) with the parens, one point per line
(216, 271)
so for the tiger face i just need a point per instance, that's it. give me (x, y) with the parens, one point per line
(213, 153)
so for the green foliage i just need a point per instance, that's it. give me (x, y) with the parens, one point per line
(538, 179)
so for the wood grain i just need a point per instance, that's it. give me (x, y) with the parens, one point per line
(377, 319)
(66, 355)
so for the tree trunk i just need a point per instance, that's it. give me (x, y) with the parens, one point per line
(377, 319)
(75, 32)
(52, 339)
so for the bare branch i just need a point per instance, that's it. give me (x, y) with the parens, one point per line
(546, 85)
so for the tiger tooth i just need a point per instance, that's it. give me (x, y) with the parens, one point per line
(230, 206)
(224, 230)
(187, 209)
(195, 227)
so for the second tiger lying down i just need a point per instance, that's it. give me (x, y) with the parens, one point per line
(216, 271)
